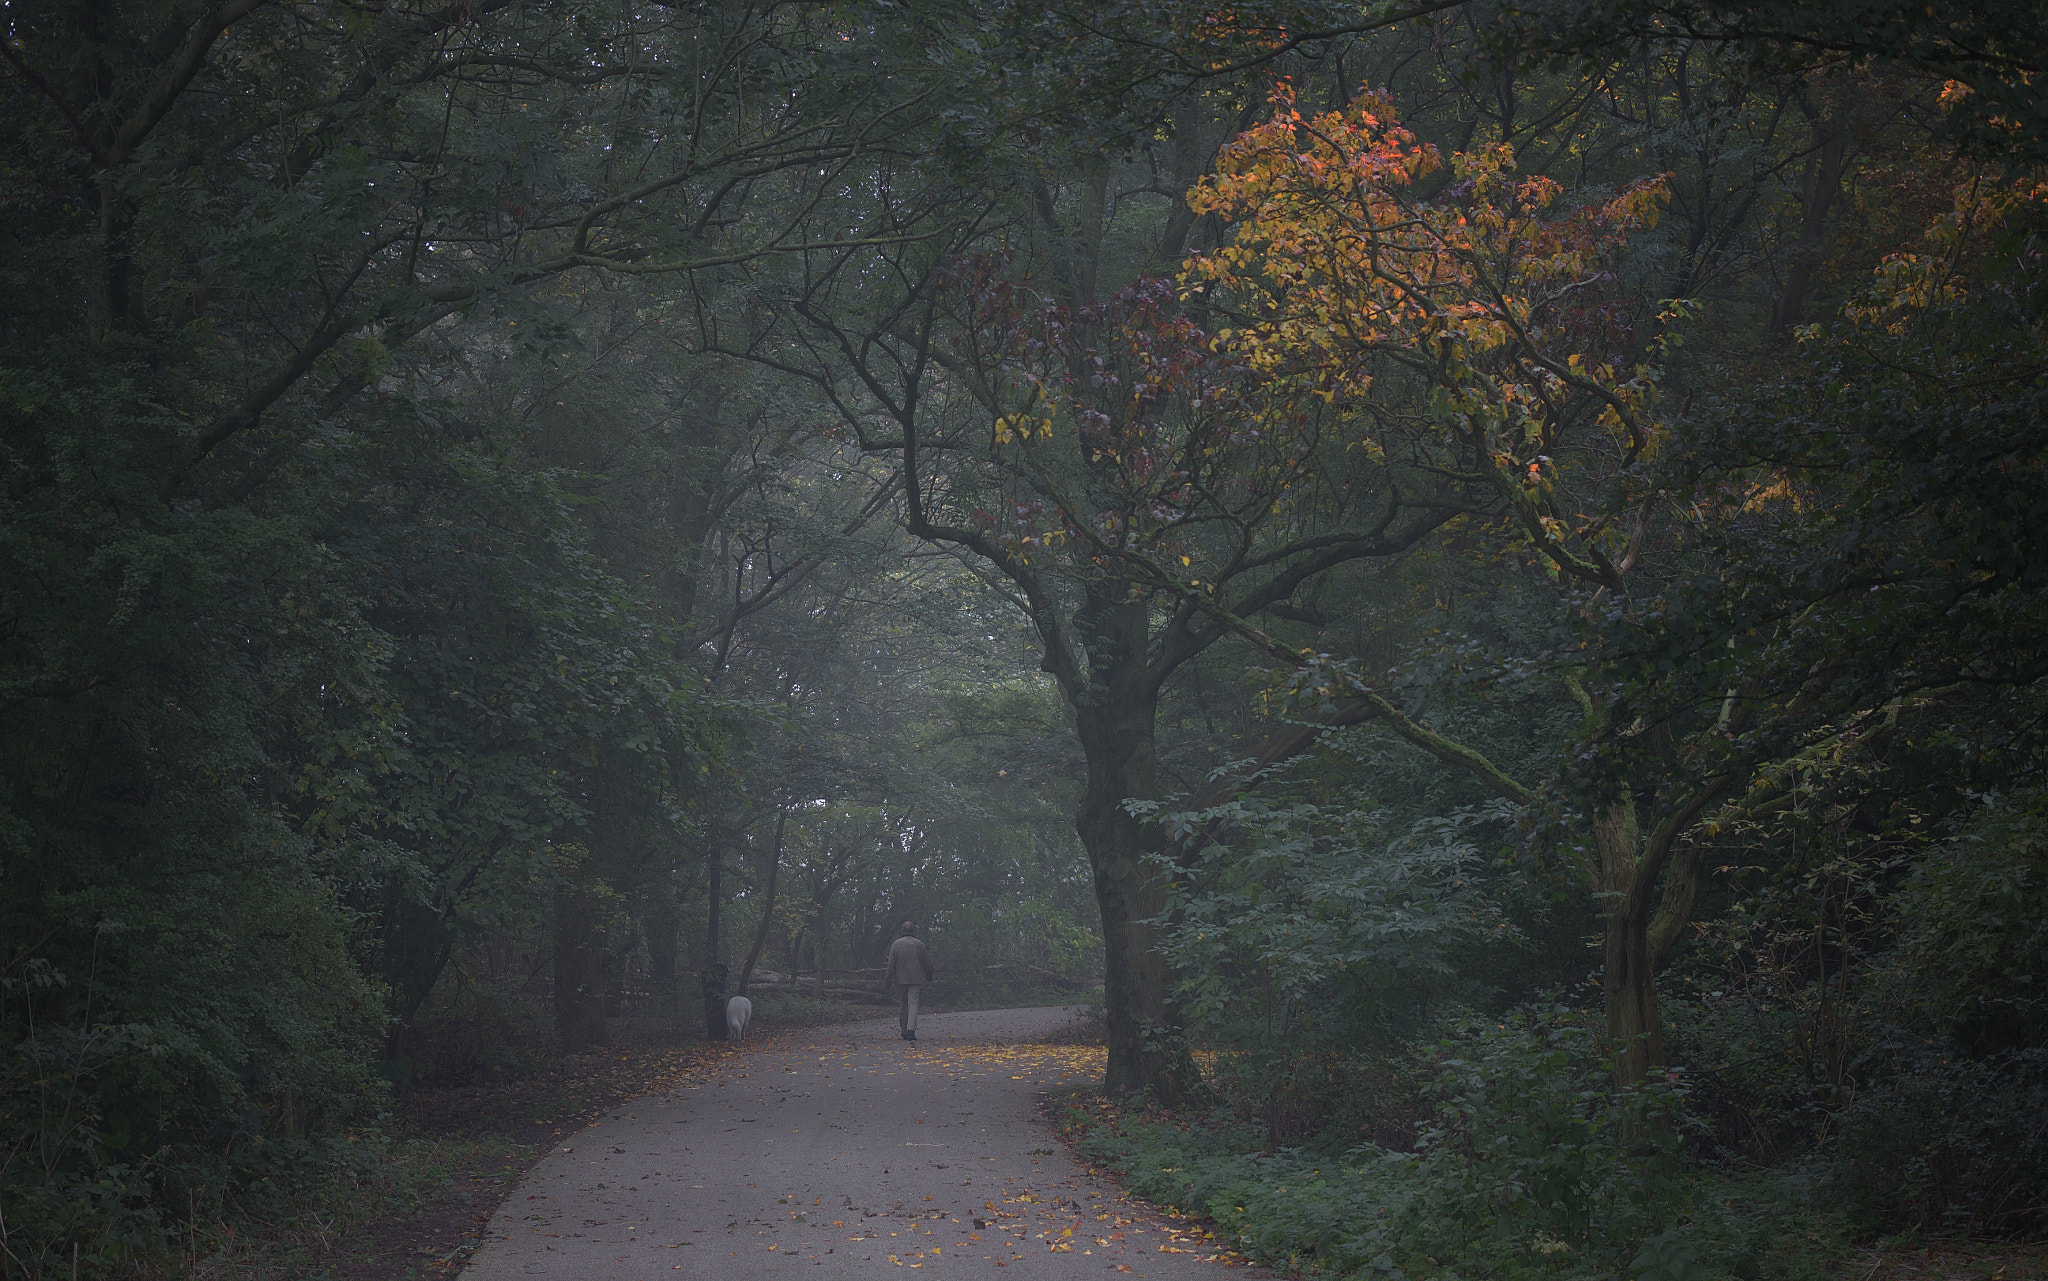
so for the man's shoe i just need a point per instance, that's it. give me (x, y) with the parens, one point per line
(910, 1036)
(902, 1034)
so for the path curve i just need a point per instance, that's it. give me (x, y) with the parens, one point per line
(841, 1152)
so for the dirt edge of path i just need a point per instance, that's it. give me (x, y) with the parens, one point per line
(481, 1141)
(475, 1143)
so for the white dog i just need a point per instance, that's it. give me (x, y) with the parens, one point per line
(737, 1011)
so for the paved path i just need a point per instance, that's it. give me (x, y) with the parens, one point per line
(841, 1152)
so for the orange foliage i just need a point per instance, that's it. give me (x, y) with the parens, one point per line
(1339, 269)
(1906, 285)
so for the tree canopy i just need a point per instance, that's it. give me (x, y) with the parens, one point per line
(1326, 520)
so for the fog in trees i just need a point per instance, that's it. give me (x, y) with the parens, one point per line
(1467, 576)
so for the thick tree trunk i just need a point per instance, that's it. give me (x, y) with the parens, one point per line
(1144, 1052)
(1635, 1033)
(1635, 1029)
(1115, 726)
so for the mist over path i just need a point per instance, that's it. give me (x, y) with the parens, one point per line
(841, 1151)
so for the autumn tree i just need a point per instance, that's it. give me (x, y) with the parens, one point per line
(1676, 737)
(1492, 297)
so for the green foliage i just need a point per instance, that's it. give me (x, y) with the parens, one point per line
(1531, 1132)
(1303, 935)
(1012, 950)
(1972, 930)
(473, 1027)
(1945, 1129)
(268, 760)
(1938, 1140)
(1312, 907)
(180, 1008)
(1536, 1167)
(1874, 1016)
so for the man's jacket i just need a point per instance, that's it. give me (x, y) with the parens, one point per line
(908, 961)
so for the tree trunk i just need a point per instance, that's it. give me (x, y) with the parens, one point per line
(664, 924)
(767, 903)
(1823, 182)
(713, 973)
(418, 943)
(1635, 1030)
(1115, 726)
(580, 967)
(1628, 976)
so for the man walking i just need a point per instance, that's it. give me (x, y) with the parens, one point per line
(909, 968)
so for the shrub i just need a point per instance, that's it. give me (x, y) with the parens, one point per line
(1532, 1165)
(474, 1029)
(1533, 1137)
(1938, 1141)
(1946, 1126)
(187, 1067)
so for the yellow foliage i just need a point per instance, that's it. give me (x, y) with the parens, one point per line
(1343, 267)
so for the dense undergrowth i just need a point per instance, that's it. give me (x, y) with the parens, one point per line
(405, 1196)
(1851, 1059)
(1851, 1056)
(1525, 1165)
